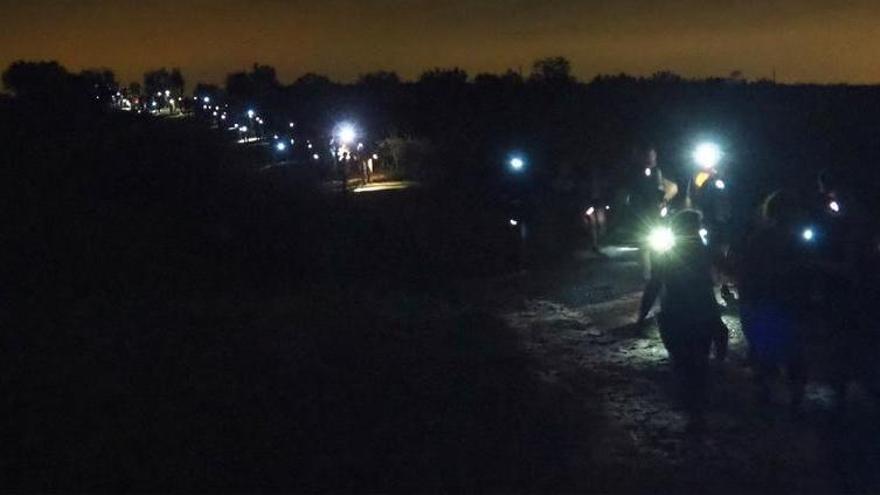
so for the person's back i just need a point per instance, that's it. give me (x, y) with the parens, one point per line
(687, 281)
(774, 289)
(689, 313)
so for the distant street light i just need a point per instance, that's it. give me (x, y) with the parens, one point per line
(250, 114)
(207, 99)
(280, 146)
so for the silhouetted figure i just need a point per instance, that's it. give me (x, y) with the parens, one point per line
(774, 290)
(646, 202)
(843, 249)
(689, 315)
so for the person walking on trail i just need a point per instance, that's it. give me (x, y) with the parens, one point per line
(689, 314)
(648, 202)
(843, 265)
(774, 290)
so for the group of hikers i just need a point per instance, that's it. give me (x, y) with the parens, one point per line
(806, 270)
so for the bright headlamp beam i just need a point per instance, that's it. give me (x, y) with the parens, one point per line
(707, 155)
(661, 239)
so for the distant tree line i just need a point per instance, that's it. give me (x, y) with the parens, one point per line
(577, 135)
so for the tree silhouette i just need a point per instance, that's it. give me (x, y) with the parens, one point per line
(551, 70)
(33, 80)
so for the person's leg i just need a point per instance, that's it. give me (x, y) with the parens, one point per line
(720, 340)
(649, 297)
(797, 376)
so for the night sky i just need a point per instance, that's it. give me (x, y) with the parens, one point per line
(802, 40)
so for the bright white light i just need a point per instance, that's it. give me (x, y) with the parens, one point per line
(280, 146)
(661, 239)
(167, 93)
(158, 93)
(513, 223)
(664, 211)
(808, 234)
(315, 156)
(207, 99)
(607, 207)
(215, 114)
(223, 117)
(704, 235)
(590, 211)
(517, 163)
(275, 136)
(243, 128)
(707, 155)
(648, 172)
(719, 184)
(291, 141)
(834, 206)
(375, 156)
(309, 145)
(290, 125)
(346, 134)
(154, 103)
(250, 114)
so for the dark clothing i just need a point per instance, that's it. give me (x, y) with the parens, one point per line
(774, 288)
(844, 272)
(645, 197)
(690, 316)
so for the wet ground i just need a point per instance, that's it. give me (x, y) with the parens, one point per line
(579, 330)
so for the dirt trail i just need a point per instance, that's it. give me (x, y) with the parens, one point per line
(593, 351)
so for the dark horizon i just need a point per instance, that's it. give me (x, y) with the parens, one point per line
(799, 42)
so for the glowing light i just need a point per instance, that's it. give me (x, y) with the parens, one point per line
(243, 128)
(607, 207)
(590, 211)
(517, 163)
(280, 146)
(206, 99)
(834, 206)
(223, 117)
(315, 156)
(309, 145)
(291, 141)
(375, 156)
(513, 223)
(704, 235)
(167, 93)
(648, 172)
(275, 136)
(346, 133)
(290, 125)
(701, 178)
(719, 184)
(250, 114)
(215, 114)
(707, 155)
(154, 103)
(661, 239)
(664, 211)
(808, 234)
